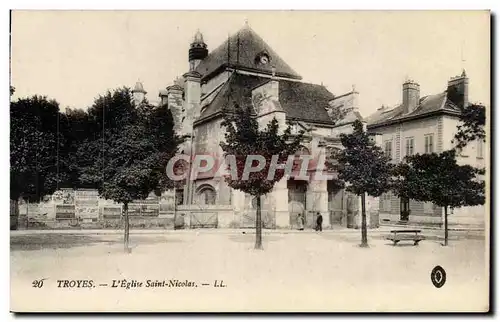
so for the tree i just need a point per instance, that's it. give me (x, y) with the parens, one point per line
(364, 168)
(127, 162)
(244, 138)
(437, 178)
(75, 127)
(35, 143)
(473, 120)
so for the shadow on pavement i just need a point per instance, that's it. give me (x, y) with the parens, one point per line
(250, 237)
(52, 241)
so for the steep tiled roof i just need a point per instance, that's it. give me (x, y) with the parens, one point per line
(384, 114)
(300, 101)
(237, 89)
(307, 102)
(427, 105)
(244, 47)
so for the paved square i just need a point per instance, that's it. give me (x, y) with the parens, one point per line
(296, 271)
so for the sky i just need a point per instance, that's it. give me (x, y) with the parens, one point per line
(73, 56)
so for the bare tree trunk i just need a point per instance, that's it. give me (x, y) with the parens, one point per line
(364, 237)
(446, 226)
(258, 226)
(27, 214)
(127, 229)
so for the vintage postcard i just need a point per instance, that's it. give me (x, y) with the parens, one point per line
(250, 161)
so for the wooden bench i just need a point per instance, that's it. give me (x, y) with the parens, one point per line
(399, 235)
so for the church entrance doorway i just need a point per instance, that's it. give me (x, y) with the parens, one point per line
(297, 203)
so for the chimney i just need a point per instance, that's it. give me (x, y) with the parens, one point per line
(192, 97)
(411, 96)
(458, 90)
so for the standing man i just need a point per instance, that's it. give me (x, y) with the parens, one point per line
(319, 222)
(300, 221)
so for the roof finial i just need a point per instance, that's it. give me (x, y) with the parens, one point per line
(198, 37)
(353, 88)
(246, 23)
(464, 74)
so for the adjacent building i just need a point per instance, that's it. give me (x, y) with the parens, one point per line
(425, 124)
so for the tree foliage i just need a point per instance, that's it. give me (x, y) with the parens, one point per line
(243, 138)
(437, 178)
(36, 148)
(128, 148)
(127, 152)
(364, 168)
(362, 164)
(473, 120)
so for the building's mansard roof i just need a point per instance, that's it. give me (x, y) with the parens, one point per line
(244, 47)
(428, 105)
(300, 101)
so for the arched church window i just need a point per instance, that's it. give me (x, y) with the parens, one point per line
(207, 195)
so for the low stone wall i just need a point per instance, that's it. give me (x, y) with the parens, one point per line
(420, 220)
(163, 222)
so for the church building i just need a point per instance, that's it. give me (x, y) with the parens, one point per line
(247, 71)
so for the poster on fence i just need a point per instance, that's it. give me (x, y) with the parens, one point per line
(111, 212)
(65, 211)
(87, 203)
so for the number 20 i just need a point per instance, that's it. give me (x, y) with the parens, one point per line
(38, 283)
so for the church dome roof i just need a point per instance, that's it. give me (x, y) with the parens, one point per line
(138, 88)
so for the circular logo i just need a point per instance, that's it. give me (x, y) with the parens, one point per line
(438, 276)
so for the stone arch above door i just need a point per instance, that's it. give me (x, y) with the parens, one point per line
(206, 195)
